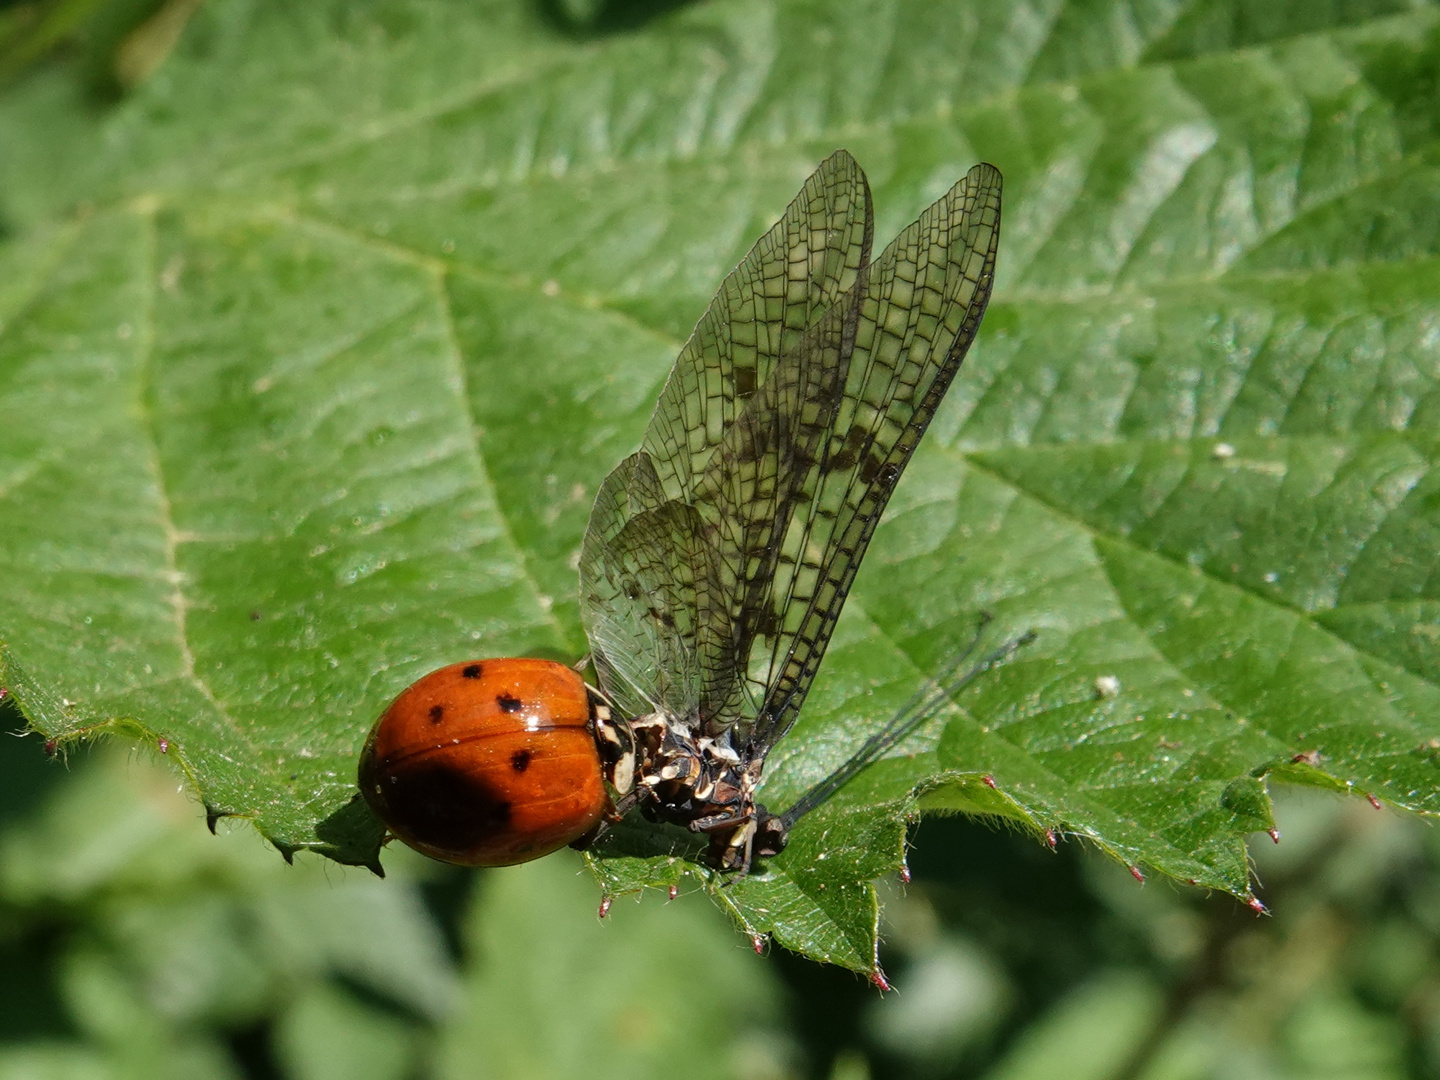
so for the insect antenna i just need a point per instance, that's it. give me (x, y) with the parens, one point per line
(925, 703)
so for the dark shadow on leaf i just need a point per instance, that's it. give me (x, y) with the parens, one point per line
(638, 838)
(353, 834)
(587, 19)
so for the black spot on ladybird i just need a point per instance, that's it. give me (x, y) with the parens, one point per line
(508, 703)
(520, 760)
(437, 713)
(471, 671)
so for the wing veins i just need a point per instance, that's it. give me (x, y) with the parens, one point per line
(834, 571)
(787, 281)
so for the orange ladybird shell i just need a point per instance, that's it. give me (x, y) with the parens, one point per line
(487, 762)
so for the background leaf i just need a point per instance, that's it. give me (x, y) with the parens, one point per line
(313, 351)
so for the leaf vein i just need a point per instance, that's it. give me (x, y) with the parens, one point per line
(1128, 541)
(179, 602)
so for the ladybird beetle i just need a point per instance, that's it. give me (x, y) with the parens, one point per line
(488, 762)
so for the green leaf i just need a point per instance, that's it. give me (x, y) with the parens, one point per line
(314, 350)
(328, 1035)
(533, 929)
(1091, 1034)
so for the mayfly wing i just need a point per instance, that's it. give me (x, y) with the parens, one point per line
(748, 499)
(657, 585)
(794, 489)
(909, 320)
(642, 590)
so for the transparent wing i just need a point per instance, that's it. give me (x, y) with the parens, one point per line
(782, 431)
(650, 583)
(657, 584)
(908, 323)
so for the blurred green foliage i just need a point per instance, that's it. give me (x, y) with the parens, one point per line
(114, 45)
